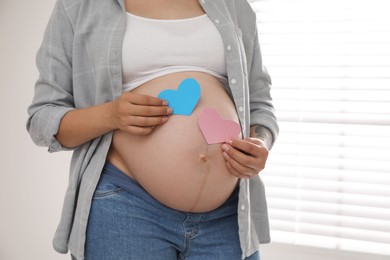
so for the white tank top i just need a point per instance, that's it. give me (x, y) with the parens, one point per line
(156, 47)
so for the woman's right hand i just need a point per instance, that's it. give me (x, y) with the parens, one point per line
(139, 114)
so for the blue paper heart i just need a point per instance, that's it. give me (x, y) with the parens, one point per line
(184, 99)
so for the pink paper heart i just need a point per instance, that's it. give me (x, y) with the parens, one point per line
(215, 129)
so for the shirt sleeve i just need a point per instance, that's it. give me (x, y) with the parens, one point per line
(262, 111)
(53, 94)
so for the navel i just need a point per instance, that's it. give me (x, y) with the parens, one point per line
(203, 157)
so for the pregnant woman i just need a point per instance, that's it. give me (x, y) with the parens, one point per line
(145, 182)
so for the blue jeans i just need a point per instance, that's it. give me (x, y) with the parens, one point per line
(126, 225)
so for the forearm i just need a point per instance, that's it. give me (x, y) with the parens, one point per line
(263, 133)
(82, 125)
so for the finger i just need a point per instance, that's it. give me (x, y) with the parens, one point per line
(239, 156)
(148, 121)
(137, 130)
(259, 142)
(256, 141)
(140, 110)
(140, 99)
(241, 169)
(246, 146)
(236, 173)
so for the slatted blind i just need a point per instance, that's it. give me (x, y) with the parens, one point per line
(328, 176)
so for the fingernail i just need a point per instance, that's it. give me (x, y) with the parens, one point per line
(169, 110)
(229, 141)
(225, 155)
(165, 103)
(225, 147)
(165, 118)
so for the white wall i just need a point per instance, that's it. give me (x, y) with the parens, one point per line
(33, 182)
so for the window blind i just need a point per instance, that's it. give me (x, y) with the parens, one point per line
(328, 175)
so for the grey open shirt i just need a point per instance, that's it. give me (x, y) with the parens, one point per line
(79, 63)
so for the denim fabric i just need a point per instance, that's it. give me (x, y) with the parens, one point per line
(127, 223)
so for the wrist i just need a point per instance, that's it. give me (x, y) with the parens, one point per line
(262, 133)
(108, 116)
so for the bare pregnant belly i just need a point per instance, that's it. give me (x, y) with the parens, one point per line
(174, 163)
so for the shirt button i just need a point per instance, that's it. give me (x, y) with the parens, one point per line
(229, 47)
(217, 21)
(241, 109)
(233, 81)
(242, 207)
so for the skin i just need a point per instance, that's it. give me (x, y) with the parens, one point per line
(164, 9)
(132, 113)
(246, 158)
(135, 114)
(139, 114)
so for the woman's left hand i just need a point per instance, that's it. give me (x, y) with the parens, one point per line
(245, 158)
